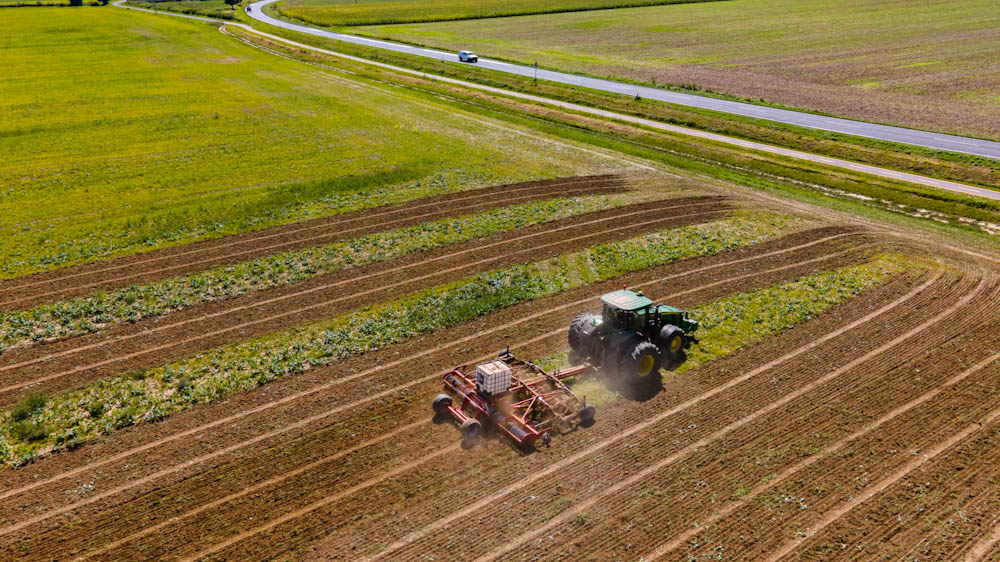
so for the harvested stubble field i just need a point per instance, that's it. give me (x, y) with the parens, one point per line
(930, 66)
(267, 394)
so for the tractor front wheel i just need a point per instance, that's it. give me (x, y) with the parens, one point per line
(672, 341)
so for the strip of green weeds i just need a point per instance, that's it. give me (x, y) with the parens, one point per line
(97, 311)
(106, 405)
(733, 323)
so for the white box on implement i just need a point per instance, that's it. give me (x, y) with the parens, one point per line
(493, 377)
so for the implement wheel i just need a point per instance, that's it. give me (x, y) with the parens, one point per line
(440, 404)
(470, 429)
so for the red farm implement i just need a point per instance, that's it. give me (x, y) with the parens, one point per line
(518, 398)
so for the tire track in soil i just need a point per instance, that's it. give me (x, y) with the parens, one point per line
(464, 511)
(749, 524)
(205, 327)
(292, 491)
(282, 425)
(715, 402)
(946, 488)
(985, 423)
(60, 284)
(675, 506)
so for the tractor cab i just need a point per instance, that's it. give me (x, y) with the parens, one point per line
(632, 311)
(626, 310)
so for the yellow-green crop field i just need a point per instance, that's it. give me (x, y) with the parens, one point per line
(368, 12)
(931, 64)
(122, 131)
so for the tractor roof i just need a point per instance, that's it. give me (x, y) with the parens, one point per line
(626, 300)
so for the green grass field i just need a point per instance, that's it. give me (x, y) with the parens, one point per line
(932, 67)
(123, 131)
(368, 12)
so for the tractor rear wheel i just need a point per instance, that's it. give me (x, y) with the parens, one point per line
(579, 334)
(586, 413)
(638, 363)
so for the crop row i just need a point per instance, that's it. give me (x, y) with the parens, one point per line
(109, 404)
(96, 311)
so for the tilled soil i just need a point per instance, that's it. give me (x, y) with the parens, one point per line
(61, 284)
(76, 361)
(297, 415)
(868, 431)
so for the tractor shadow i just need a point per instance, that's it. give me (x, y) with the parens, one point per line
(650, 388)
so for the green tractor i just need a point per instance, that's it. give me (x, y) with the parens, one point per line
(632, 338)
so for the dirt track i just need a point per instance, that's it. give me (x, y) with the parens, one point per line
(61, 284)
(873, 425)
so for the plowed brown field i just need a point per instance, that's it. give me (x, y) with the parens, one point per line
(868, 431)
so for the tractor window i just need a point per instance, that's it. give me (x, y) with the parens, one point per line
(638, 320)
(616, 317)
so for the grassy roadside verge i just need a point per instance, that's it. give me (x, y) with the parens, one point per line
(41, 425)
(97, 311)
(968, 219)
(965, 168)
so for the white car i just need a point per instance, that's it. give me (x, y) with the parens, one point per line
(467, 56)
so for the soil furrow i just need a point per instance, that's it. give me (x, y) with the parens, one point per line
(422, 509)
(675, 506)
(709, 416)
(66, 283)
(296, 492)
(279, 421)
(938, 500)
(870, 401)
(141, 346)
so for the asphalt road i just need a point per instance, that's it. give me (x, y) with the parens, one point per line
(939, 141)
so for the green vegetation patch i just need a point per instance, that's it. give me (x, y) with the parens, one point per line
(730, 324)
(106, 405)
(95, 312)
(124, 131)
(335, 13)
